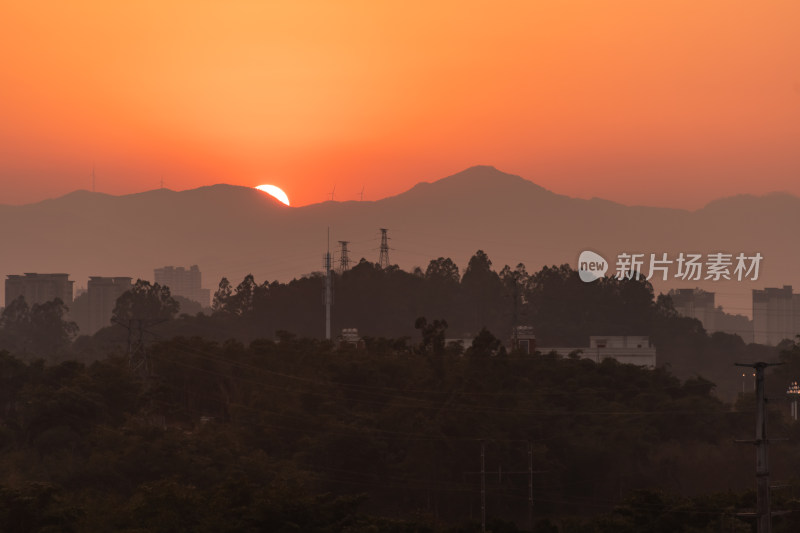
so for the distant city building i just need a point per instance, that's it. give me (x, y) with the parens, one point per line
(39, 288)
(183, 282)
(699, 304)
(696, 303)
(630, 349)
(776, 315)
(102, 294)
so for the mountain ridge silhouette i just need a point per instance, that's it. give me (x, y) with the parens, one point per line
(230, 230)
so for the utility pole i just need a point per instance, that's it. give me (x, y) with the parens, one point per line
(383, 259)
(328, 291)
(483, 472)
(344, 259)
(763, 513)
(793, 392)
(514, 324)
(483, 487)
(530, 485)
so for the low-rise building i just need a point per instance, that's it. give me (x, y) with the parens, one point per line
(627, 349)
(350, 337)
(524, 340)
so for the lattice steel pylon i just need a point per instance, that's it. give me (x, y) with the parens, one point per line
(383, 260)
(137, 353)
(138, 360)
(344, 259)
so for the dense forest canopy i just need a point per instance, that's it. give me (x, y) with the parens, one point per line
(244, 419)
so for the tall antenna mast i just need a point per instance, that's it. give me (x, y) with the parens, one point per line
(328, 292)
(383, 260)
(344, 260)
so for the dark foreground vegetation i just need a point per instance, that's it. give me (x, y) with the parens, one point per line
(298, 436)
(222, 424)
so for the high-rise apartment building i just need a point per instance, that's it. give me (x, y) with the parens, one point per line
(776, 315)
(39, 288)
(184, 282)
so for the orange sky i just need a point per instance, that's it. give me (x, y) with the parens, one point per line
(651, 102)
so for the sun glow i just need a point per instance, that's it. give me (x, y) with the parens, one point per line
(275, 192)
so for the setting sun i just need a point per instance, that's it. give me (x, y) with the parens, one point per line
(275, 192)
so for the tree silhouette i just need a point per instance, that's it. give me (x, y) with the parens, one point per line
(145, 302)
(241, 303)
(49, 333)
(442, 270)
(482, 291)
(432, 335)
(222, 297)
(41, 329)
(484, 345)
(13, 324)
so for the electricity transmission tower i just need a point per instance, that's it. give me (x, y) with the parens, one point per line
(138, 360)
(137, 353)
(383, 260)
(344, 259)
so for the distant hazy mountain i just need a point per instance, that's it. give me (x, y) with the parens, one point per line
(231, 231)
